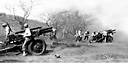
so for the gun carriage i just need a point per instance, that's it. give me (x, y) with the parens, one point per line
(35, 46)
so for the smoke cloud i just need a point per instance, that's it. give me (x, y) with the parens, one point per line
(110, 13)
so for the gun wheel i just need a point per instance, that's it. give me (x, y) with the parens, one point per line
(109, 39)
(37, 47)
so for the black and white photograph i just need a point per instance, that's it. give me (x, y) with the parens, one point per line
(63, 31)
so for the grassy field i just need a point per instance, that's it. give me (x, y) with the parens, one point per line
(81, 53)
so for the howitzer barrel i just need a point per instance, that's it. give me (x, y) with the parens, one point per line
(30, 29)
(46, 30)
(38, 30)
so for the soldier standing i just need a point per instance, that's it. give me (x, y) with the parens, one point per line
(104, 34)
(8, 30)
(53, 37)
(26, 35)
(78, 38)
(94, 34)
(86, 35)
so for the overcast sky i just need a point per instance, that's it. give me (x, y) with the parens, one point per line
(113, 13)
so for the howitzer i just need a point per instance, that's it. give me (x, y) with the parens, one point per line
(34, 46)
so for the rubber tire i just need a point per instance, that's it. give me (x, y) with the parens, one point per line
(30, 47)
(109, 39)
(91, 40)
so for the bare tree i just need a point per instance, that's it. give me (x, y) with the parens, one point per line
(69, 21)
(25, 8)
(11, 9)
(46, 18)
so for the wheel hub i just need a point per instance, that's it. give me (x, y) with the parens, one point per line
(37, 47)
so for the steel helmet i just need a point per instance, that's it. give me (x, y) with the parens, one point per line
(25, 25)
(4, 24)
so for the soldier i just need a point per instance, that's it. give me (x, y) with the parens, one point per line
(76, 34)
(78, 38)
(79, 32)
(94, 34)
(104, 34)
(64, 32)
(53, 37)
(26, 35)
(86, 35)
(7, 28)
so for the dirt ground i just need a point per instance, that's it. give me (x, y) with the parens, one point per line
(83, 52)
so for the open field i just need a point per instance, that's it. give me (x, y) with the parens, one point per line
(83, 52)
